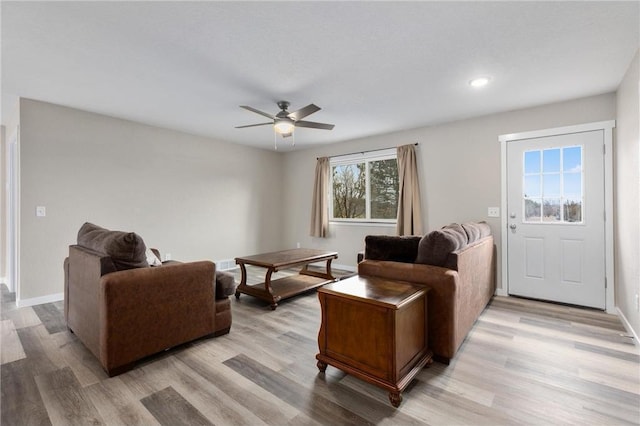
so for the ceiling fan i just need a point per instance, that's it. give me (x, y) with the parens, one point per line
(284, 122)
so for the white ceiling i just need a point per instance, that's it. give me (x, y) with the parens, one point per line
(373, 67)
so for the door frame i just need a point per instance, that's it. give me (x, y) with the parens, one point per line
(607, 128)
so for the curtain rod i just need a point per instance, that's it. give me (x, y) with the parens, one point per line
(362, 152)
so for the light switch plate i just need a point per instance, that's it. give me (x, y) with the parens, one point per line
(493, 212)
(41, 211)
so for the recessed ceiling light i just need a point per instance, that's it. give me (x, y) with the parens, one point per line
(479, 82)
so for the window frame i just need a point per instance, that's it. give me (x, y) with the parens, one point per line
(363, 157)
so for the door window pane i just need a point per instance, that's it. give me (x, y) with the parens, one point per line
(573, 211)
(532, 210)
(532, 186)
(572, 159)
(551, 186)
(531, 162)
(572, 185)
(551, 210)
(551, 160)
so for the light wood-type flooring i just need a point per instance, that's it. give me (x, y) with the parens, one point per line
(524, 362)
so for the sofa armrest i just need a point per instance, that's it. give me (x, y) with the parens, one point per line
(147, 310)
(442, 299)
(83, 269)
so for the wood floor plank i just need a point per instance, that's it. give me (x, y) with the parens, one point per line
(206, 397)
(66, 402)
(171, 409)
(291, 393)
(11, 348)
(22, 318)
(21, 402)
(117, 405)
(260, 402)
(49, 314)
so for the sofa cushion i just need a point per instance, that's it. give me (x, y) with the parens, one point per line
(458, 233)
(473, 232)
(225, 284)
(434, 248)
(485, 229)
(126, 249)
(476, 231)
(393, 248)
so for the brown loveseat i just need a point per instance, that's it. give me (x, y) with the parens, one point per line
(123, 310)
(456, 262)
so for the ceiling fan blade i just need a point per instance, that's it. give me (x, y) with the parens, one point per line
(253, 125)
(314, 125)
(257, 111)
(303, 112)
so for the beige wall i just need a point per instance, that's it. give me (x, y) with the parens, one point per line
(627, 203)
(193, 197)
(459, 165)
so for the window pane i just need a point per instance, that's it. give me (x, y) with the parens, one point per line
(532, 186)
(349, 191)
(532, 162)
(383, 178)
(572, 184)
(532, 210)
(551, 185)
(551, 210)
(572, 159)
(573, 211)
(551, 160)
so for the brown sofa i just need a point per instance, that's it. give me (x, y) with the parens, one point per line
(456, 262)
(123, 310)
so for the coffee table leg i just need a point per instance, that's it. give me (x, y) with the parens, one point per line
(329, 269)
(243, 280)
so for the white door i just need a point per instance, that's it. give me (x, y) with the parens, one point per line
(555, 218)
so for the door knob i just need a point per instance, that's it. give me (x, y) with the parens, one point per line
(512, 226)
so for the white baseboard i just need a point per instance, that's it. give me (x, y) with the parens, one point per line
(627, 325)
(40, 300)
(344, 267)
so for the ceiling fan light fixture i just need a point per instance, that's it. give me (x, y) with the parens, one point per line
(283, 125)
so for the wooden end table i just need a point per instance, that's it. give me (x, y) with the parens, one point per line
(375, 329)
(282, 288)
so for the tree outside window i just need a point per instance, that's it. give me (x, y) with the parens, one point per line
(365, 189)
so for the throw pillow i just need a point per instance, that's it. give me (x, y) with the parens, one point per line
(126, 249)
(225, 284)
(434, 248)
(393, 248)
(152, 259)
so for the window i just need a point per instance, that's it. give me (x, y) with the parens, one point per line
(552, 186)
(364, 187)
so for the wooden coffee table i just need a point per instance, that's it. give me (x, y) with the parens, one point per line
(282, 288)
(375, 329)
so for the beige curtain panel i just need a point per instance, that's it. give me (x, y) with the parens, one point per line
(409, 213)
(319, 208)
